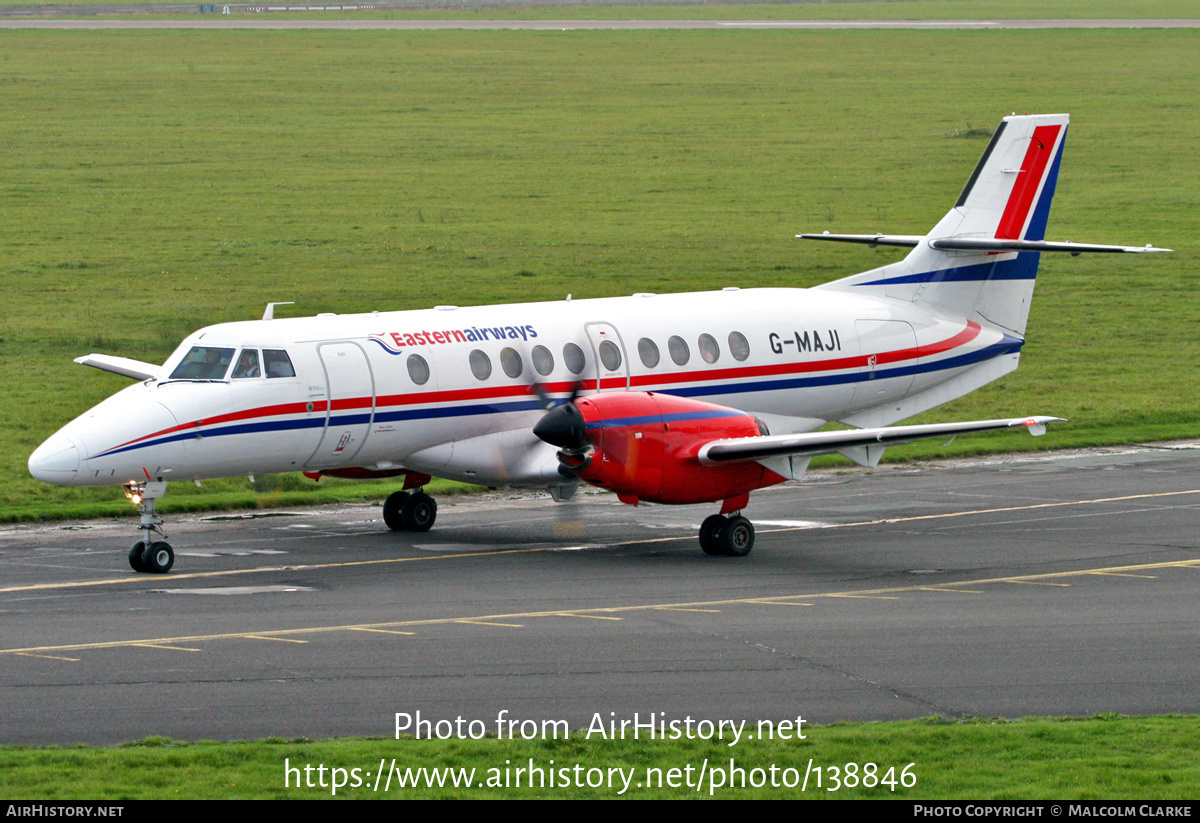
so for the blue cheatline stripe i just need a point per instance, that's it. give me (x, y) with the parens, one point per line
(663, 418)
(458, 411)
(1022, 268)
(1008, 345)
(241, 428)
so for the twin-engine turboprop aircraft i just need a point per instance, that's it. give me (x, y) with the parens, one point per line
(688, 398)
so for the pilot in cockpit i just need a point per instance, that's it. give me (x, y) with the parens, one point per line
(247, 364)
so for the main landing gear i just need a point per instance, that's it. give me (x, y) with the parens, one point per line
(148, 554)
(731, 536)
(409, 511)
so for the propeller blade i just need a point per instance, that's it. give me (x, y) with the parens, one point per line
(543, 398)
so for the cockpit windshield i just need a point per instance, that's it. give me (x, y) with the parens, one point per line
(203, 363)
(247, 364)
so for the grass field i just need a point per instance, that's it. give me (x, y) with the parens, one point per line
(156, 182)
(1104, 758)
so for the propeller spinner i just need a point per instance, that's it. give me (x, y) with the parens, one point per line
(564, 426)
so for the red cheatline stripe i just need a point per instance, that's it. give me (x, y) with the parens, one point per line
(247, 414)
(1029, 180)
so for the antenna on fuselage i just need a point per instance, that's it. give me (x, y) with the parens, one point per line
(269, 314)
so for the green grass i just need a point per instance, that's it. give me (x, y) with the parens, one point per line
(870, 10)
(1100, 758)
(156, 182)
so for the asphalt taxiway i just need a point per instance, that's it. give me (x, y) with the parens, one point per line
(1049, 585)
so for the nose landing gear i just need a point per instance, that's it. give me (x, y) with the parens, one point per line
(149, 555)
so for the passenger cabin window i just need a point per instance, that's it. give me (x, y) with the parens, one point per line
(278, 364)
(510, 361)
(481, 364)
(648, 351)
(739, 347)
(203, 363)
(678, 349)
(610, 355)
(247, 365)
(543, 360)
(709, 349)
(573, 357)
(418, 369)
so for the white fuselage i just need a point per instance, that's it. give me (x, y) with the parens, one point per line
(408, 390)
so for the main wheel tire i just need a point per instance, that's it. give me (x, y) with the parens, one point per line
(709, 530)
(736, 538)
(392, 511)
(419, 512)
(158, 558)
(135, 556)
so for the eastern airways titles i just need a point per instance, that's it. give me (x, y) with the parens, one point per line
(395, 341)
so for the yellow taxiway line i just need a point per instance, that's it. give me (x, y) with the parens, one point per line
(506, 620)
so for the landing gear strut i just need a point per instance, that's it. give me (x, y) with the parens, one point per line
(731, 536)
(148, 554)
(409, 511)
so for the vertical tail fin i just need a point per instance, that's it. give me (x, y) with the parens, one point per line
(1006, 198)
(1008, 195)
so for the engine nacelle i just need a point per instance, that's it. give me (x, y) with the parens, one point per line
(644, 446)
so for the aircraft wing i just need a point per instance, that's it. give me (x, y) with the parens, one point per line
(121, 365)
(863, 446)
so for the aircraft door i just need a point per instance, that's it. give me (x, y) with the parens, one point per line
(350, 404)
(610, 357)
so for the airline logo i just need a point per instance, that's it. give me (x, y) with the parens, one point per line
(394, 342)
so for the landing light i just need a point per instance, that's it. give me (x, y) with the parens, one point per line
(135, 492)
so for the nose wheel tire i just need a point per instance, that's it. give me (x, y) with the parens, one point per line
(135, 556)
(158, 558)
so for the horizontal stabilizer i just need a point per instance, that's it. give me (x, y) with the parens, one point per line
(121, 365)
(985, 244)
(855, 443)
(872, 240)
(979, 244)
